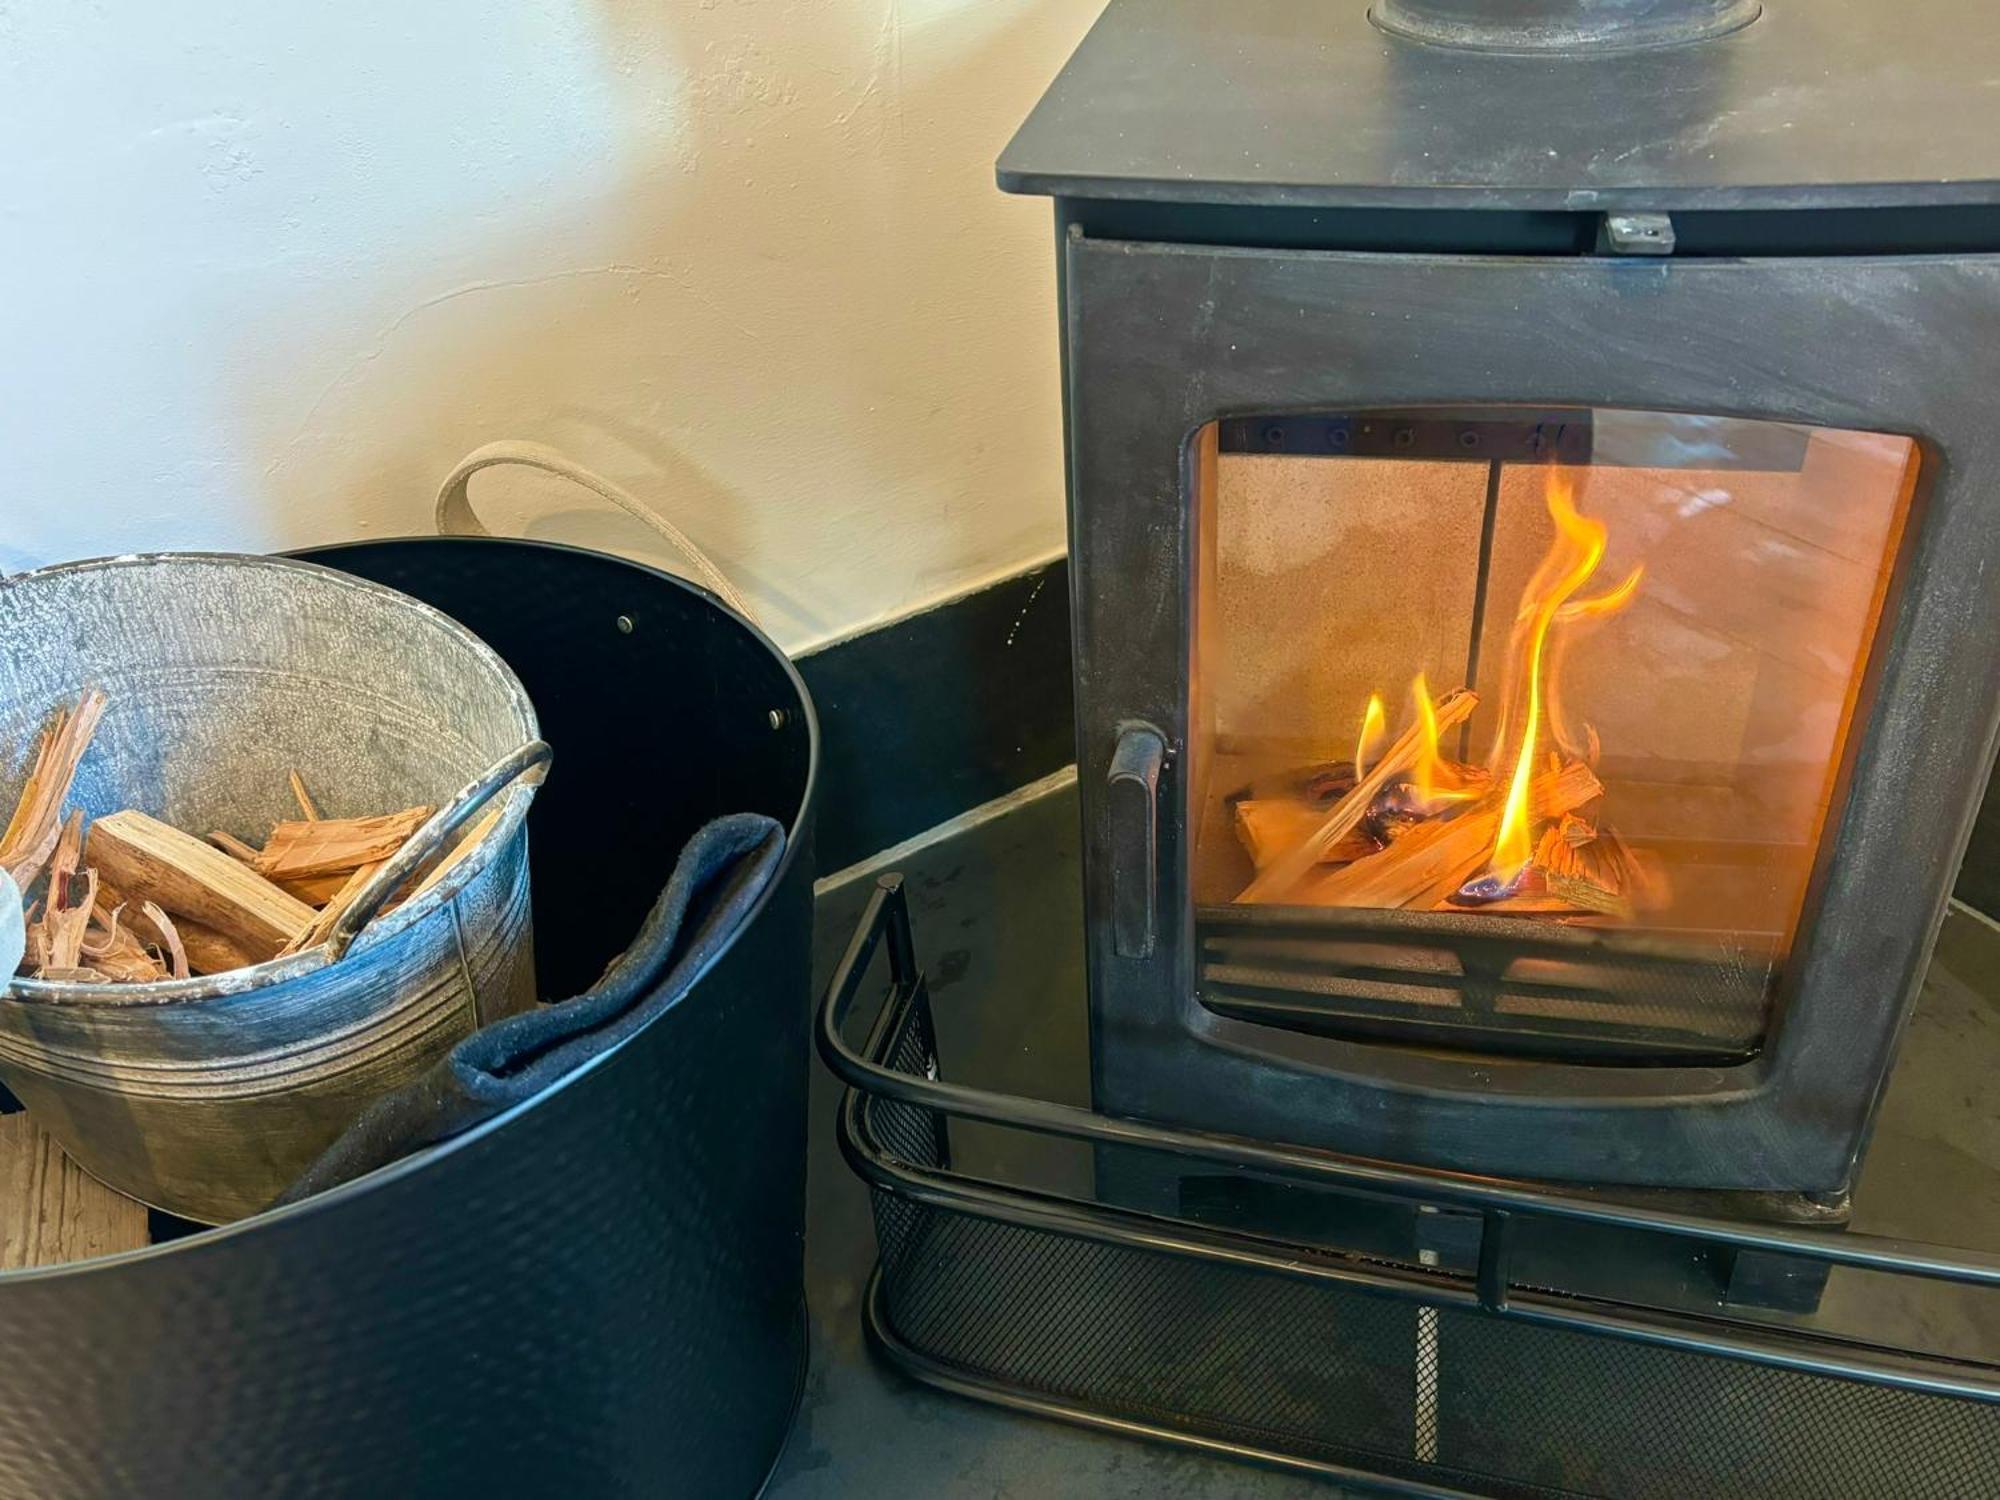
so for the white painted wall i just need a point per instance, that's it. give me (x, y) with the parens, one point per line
(267, 271)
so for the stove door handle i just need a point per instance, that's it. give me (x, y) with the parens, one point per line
(1134, 794)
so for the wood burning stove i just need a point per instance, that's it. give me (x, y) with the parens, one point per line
(1533, 547)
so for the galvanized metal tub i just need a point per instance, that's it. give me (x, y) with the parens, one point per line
(207, 1096)
(597, 1293)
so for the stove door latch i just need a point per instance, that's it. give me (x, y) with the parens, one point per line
(1133, 798)
(1635, 234)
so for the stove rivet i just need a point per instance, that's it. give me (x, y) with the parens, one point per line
(778, 718)
(625, 625)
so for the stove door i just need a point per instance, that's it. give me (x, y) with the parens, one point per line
(1668, 582)
(1516, 730)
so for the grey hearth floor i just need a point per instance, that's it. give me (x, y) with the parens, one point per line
(997, 916)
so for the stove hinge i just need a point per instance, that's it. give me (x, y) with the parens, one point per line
(1635, 234)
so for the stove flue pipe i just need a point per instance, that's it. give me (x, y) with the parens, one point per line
(1562, 25)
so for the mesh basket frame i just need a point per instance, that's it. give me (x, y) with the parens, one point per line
(1290, 1355)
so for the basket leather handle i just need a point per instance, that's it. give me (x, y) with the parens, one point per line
(455, 516)
(530, 761)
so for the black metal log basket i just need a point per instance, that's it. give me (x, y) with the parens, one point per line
(598, 1292)
(1463, 1369)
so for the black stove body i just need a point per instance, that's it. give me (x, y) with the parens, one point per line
(1360, 313)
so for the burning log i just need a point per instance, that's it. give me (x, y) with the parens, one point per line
(1571, 870)
(1277, 879)
(1430, 863)
(1268, 826)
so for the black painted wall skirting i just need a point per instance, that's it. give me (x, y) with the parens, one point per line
(931, 715)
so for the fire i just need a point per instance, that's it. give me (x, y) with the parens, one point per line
(1607, 603)
(1575, 617)
(1571, 562)
(1432, 779)
(1374, 724)
(1519, 834)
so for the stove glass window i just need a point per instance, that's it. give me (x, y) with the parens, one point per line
(1522, 731)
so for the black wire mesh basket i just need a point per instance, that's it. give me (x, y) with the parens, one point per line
(1450, 1361)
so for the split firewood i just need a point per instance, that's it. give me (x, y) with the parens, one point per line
(335, 845)
(149, 861)
(1402, 804)
(1431, 861)
(1276, 880)
(234, 847)
(1641, 877)
(1324, 785)
(1570, 872)
(66, 912)
(114, 951)
(331, 913)
(1571, 877)
(31, 833)
(35, 950)
(138, 900)
(1268, 826)
(170, 938)
(63, 862)
(1596, 869)
(208, 951)
(68, 927)
(314, 890)
(343, 898)
(308, 809)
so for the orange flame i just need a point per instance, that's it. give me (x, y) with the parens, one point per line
(1374, 723)
(1432, 782)
(1607, 603)
(1575, 618)
(1572, 559)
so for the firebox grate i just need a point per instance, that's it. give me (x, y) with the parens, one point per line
(1406, 1377)
(1528, 988)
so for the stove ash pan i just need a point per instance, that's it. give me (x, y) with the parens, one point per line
(1534, 674)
